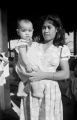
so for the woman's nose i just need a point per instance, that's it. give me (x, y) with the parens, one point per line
(46, 30)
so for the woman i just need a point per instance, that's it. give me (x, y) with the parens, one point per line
(51, 53)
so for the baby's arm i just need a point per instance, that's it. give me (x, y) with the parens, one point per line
(22, 52)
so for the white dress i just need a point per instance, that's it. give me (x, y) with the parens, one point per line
(50, 107)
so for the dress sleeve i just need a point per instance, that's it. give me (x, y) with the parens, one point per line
(13, 44)
(22, 44)
(65, 53)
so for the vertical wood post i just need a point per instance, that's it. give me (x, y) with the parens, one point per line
(4, 90)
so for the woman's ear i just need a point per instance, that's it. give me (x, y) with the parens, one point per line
(17, 30)
(56, 30)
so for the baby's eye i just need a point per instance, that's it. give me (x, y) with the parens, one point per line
(23, 30)
(30, 30)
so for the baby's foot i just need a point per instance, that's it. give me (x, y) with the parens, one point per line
(21, 94)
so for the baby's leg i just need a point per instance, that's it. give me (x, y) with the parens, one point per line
(38, 89)
(21, 92)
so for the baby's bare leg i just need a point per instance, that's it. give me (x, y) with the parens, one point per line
(21, 90)
(37, 89)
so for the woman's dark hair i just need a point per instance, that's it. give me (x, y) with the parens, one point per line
(60, 35)
(75, 70)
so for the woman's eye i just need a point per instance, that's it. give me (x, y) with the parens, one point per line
(47, 27)
(43, 27)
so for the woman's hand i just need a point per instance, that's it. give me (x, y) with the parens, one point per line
(36, 75)
(29, 68)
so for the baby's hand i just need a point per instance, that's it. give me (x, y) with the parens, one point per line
(27, 40)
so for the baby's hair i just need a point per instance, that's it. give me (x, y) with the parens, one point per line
(23, 20)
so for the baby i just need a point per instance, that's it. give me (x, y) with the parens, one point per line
(25, 32)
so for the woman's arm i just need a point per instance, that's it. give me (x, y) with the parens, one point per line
(62, 74)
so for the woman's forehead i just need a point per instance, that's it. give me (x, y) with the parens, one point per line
(48, 22)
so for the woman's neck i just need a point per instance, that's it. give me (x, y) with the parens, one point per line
(46, 45)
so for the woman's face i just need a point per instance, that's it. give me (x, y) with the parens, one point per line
(48, 31)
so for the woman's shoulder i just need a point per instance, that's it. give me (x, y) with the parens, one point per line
(35, 44)
(64, 48)
(65, 51)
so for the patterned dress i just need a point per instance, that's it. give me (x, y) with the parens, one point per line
(50, 106)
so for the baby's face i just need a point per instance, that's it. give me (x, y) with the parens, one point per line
(26, 30)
